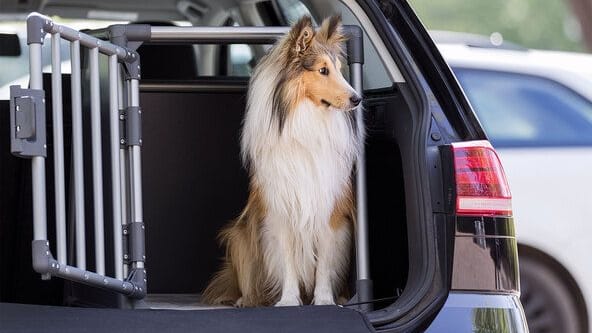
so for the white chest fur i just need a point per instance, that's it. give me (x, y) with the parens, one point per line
(302, 170)
(306, 168)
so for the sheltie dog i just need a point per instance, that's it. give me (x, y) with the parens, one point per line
(291, 244)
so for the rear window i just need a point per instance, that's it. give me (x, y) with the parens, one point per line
(525, 110)
(15, 68)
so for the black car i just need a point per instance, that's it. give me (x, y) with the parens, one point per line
(439, 253)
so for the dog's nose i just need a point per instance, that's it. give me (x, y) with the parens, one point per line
(355, 99)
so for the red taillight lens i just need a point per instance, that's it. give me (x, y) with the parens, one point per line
(481, 185)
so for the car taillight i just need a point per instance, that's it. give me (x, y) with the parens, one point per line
(481, 185)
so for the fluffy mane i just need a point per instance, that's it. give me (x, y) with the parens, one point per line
(274, 90)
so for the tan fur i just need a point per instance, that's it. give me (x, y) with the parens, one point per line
(325, 50)
(243, 271)
(318, 87)
(307, 52)
(343, 215)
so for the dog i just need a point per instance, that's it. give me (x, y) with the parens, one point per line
(291, 244)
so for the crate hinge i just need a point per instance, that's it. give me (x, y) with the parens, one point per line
(27, 122)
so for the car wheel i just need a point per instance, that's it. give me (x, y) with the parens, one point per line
(548, 303)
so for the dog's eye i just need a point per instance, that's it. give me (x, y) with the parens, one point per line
(324, 71)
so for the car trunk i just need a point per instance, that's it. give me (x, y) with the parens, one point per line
(193, 184)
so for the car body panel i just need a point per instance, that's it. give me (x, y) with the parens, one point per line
(467, 312)
(487, 250)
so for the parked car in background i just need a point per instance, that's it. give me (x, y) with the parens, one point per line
(536, 108)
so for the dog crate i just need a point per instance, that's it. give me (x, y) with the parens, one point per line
(121, 216)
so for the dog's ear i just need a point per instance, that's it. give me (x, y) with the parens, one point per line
(331, 32)
(301, 35)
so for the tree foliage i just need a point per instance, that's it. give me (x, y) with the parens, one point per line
(542, 24)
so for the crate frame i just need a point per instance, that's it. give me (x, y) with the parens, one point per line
(119, 43)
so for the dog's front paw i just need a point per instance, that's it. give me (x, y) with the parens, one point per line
(323, 300)
(239, 303)
(289, 301)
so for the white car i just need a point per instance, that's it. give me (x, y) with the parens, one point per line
(536, 107)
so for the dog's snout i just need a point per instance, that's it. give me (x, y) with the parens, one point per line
(355, 99)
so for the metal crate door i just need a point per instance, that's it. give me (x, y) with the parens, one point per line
(28, 140)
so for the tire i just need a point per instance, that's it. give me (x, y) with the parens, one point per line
(549, 304)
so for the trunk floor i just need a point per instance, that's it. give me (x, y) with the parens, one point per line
(49, 319)
(177, 302)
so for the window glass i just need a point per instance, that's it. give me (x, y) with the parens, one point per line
(525, 110)
(375, 75)
(292, 10)
(241, 57)
(15, 69)
(240, 60)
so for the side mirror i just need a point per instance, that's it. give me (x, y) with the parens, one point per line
(10, 45)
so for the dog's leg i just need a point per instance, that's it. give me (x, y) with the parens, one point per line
(333, 250)
(290, 291)
(279, 253)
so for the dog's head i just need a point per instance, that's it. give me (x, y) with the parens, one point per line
(311, 67)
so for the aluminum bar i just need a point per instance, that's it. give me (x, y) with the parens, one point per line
(97, 160)
(123, 164)
(362, 253)
(136, 174)
(85, 40)
(58, 148)
(38, 162)
(115, 167)
(217, 35)
(77, 155)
